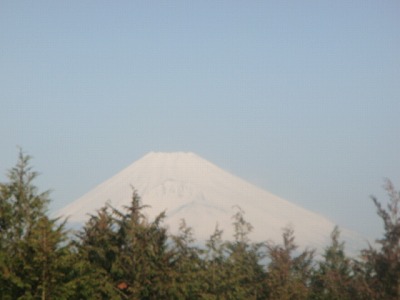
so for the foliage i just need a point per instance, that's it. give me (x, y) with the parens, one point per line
(33, 248)
(122, 254)
(186, 265)
(382, 265)
(333, 279)
(288, 274)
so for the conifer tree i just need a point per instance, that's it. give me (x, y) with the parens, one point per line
(288, 274)
(186, 265)
(233, 268)
(382, 264)
(333, 279)
(33, 247)
(246, 272)
(216, 272)
(97, 249)
(22, 203)
(143, 253)
(46, 262)
(125, 254)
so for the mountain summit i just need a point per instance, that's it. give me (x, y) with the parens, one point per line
(189, 187)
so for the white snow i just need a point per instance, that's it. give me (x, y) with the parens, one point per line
(191, 188)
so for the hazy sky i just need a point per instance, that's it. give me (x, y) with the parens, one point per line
(299, 97)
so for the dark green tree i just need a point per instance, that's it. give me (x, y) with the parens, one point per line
(233, 270)
(125, 254)
(94, 264)
(143, 258)
(46, 264)
(33, 248)
(382, 263)
(246, 271)
(333, 279)
(216, 271)
(186, 266)
(21, 203)
(288, 273)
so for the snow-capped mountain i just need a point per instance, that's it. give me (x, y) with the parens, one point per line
(188, 187)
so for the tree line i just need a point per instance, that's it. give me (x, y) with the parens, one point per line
(122, 254)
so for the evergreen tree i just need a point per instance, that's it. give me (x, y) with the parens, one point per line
(333, 279)
(246, 271)
(143, 258)
(288, 274)
(186, 266)
(45, 265)
(382, 265)
(21, 203)
(125, 254)
(33, 249)
(233, 268)
(97, 250)
(216, 273)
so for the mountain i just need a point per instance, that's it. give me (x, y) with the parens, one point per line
(188, 187)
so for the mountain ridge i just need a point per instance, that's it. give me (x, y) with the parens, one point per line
(189, 187)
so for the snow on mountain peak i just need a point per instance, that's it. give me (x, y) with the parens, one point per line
(189, 187)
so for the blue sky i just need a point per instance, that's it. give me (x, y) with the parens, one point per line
(299, 97)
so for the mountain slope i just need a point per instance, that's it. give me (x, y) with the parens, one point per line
(191, 188)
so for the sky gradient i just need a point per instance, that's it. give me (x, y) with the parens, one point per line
(301, 98)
